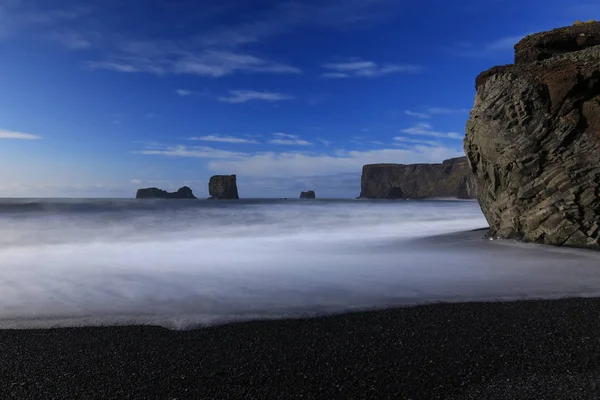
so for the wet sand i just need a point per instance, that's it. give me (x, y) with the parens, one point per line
(512, 350)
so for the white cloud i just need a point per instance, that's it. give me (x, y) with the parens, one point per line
(302, 164)
(213, 52)
(335, 75)
(172, 58)
(436, 111)
(416, 114)
(285, 135)
(501, 45)
(287, 139)
(427, 130)
(72, 39)
(406, 141)
(243, 96)
(112, 65)
(183, 92)
(223, 139)
(192, 152)
(290, 142)
(292, 165)
(447, 111)
(136, 181)
(4, 134)
(324, 142)
(359, 68)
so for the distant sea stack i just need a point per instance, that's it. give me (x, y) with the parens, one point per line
(533, 139)
(155, 193)
(308, 195)
(223, 187)
(452, 178)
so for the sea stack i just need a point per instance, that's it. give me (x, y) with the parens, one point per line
(452, 178)
(533, 140)
(308, 195)
(223, 187)
(155, 193)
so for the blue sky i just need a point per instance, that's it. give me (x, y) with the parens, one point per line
(101, 98)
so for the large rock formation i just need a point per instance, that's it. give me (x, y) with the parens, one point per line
(452, 178)
(223, 187)
(533, 140)
(155, 193)
(308, 195)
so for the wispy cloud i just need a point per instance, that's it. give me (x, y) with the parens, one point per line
(487, 49)
(291, 164)
(447, 111)
(168, 58)
(224, 139)
(324, 142)
(291, 15)
(416, 114)
(435, 111)
(406, 141)
(4, 134)
(287, 139)
(213, 52)
(294, 164)
(191, 151)
(183, 92)
(424, 129)
(243, 96)
(369, 69)
(113, 66)
(73, 39)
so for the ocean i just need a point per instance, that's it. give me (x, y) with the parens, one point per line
(182, 264)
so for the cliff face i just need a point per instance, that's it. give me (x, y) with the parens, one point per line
(533, 140)
(452, 178)
(308, 195)
(155, 193)
(223, 187)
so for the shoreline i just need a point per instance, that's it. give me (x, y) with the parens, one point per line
(493, 350)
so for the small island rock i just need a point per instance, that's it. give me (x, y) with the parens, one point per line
(155, 193)
(223, 187)
(308, 195)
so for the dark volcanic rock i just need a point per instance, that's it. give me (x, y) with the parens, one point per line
(533, 141)
(155, 193)
(308, 195)
(223, 187)
(544, 45)
(452, 178)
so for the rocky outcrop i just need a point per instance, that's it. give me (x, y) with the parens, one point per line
(155, 193)
(223, 187)
(452, 178)
(533, 140)
(542, 46)
(308, 195)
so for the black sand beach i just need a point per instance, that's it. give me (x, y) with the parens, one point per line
(513, 350)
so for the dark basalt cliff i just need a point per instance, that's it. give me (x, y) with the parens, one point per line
(223, 187)
(308, 195)
(155, 193)
(533, 140)
(452, 178)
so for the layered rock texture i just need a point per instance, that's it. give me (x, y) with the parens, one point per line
(452, 178)
(308, 195)
(223, 187)
(533, 139)
(155, 193)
